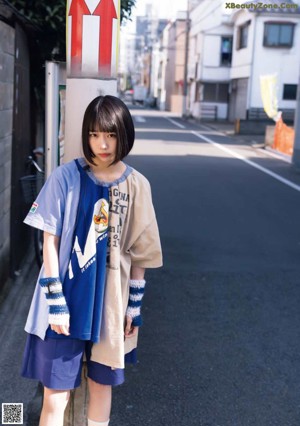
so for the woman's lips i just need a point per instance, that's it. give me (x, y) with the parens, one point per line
(104, 155)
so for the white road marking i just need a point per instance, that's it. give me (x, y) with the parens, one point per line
(175, 122)
(273, 154)
(249, 162)
(139, 119)
(206, 127)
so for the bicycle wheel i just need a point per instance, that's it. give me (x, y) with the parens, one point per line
(38, 238)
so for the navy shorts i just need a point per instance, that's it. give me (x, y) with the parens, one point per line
(57, 363)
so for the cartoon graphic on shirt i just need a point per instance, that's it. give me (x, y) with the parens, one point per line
(101, 219)
(97, 232)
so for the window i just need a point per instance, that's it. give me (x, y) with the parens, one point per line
(226, 50)
(215, 92)
(222, 93)
(243, 31)
(289, 92)
(209, 94)
(278, 34)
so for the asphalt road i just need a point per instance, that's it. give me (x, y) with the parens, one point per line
(220, 342)
(221, 337)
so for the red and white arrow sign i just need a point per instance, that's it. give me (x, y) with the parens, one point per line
(107, 12)
(92, 41)
(77, 10)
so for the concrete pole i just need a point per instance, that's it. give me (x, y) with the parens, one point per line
(92, 59)
(296, 153)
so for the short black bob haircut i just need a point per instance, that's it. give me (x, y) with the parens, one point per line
(110, 115)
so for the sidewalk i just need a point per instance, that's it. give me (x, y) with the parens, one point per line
(227, 128)
(255, 141)
(14, 304)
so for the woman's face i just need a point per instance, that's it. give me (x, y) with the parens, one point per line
(104, 147)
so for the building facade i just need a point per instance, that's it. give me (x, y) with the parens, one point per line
(172, 62)
(210, 56)
(266, 42)
(230, 49)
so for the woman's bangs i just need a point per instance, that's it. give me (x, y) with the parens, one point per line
(103, 122)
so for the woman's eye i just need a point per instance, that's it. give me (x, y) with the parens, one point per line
(93, 135)
(111, 135)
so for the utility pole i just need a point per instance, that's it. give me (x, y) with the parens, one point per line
(296, 153)
(92, 59)
(186, 58)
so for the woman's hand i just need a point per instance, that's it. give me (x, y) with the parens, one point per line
(61, 329)
(51, 265)
(130, 330)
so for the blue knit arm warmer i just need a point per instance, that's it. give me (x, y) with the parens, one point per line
(58, 309)
(136, 294)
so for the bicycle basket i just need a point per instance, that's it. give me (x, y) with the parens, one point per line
(30, 186)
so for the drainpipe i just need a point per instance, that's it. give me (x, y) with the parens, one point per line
(252, 65)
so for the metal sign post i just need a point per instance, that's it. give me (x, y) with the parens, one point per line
(55, 76)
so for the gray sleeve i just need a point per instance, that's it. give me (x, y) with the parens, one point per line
(47, 212)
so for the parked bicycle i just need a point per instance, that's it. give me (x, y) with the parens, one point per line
(30, 187)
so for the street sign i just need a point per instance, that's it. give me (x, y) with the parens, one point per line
(92, 38)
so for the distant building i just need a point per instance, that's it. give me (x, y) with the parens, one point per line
(228, 52)
(138, 53)
(266, 41)
(209, 60)
(171, 67)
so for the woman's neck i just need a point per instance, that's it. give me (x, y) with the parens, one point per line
(108, 173)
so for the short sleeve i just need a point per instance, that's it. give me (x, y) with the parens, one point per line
(146, 250)
(144, 242)
(47, 212)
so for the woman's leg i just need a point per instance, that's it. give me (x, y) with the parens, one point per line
(54, 404)
(100, 401)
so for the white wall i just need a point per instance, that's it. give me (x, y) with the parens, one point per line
(212, 43)
(285, 62)
(163, 65)
(208, 25)
(242, 58)
(214, 74)
(257, 60)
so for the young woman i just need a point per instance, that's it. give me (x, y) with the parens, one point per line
(100, 234)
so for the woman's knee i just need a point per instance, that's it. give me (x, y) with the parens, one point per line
(98, 389)
(55, 400)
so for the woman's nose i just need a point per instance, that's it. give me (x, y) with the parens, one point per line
(103, 142)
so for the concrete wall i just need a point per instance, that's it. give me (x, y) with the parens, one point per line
(7, 47)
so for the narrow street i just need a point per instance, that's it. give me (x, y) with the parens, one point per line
(220, 341)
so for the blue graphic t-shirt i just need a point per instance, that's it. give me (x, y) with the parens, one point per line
(84, 284)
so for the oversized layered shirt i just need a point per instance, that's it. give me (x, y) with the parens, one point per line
(132, 240)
